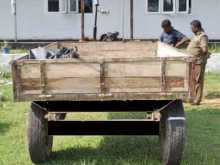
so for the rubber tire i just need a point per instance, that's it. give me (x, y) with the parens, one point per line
(39, 142)
(172, 135)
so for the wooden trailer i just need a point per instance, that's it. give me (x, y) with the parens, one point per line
(108, 77)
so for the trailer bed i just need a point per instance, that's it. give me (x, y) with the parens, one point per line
(104, 71)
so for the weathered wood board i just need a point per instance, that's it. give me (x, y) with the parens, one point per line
(131, 77)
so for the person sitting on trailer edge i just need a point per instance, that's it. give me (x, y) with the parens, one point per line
(172, 36)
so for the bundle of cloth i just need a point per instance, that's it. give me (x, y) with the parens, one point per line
(43, 53)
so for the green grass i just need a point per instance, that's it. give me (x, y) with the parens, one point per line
(202, 148)
(214, 47)
(212, 85)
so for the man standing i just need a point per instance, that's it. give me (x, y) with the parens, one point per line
(171, 36)
(198, 47)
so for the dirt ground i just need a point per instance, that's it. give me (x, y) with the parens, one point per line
(215, 103)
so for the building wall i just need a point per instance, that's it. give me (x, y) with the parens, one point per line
(149, 25)
(6, 20)
(35, 23)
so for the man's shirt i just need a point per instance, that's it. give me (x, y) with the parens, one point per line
(172, 38)
(198, 42)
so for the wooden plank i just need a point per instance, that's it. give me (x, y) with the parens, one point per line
(30, 71)
(96, 60)
(134, 90)
(73, 85)
(175, 82)
(31, 84)
(163, 74)
(144, 84)
(114, 96)
(68, 70)
(53, 45)
(176, 68)
(112, 46)
(91, 85)
(133, 82)
(30, 93)
(16, 80)
(134, 69)
(102, 78)
(65, 85)
(43, 78)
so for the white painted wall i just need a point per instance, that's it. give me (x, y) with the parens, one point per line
(6, 20)
(149, 25)
(34, 22)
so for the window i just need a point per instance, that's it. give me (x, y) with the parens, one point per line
(56, 5)
(153, 6)
(63, 6)
(88, 6)
(184, 6)
(73, 5)
(53, 5)
(168, 5)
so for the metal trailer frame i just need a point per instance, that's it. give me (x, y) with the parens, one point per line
(107, 127)
(170, 125)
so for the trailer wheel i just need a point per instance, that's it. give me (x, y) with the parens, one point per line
(172, 133)
(61, 116)
(39, 142)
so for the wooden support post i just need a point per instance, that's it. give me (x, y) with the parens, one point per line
(163, 74)
(43, 77)
(82, 6)
(132, 19)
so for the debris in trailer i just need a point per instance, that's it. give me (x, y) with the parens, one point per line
(110, 37)
(43, 53)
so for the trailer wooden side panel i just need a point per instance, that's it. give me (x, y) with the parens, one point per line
(115, 79)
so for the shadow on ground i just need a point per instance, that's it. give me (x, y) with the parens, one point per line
(113, 150)
(4, 128)
(121, 150)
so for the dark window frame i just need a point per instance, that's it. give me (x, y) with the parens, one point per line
(88, 7)
(53, 6)
(151, 5)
